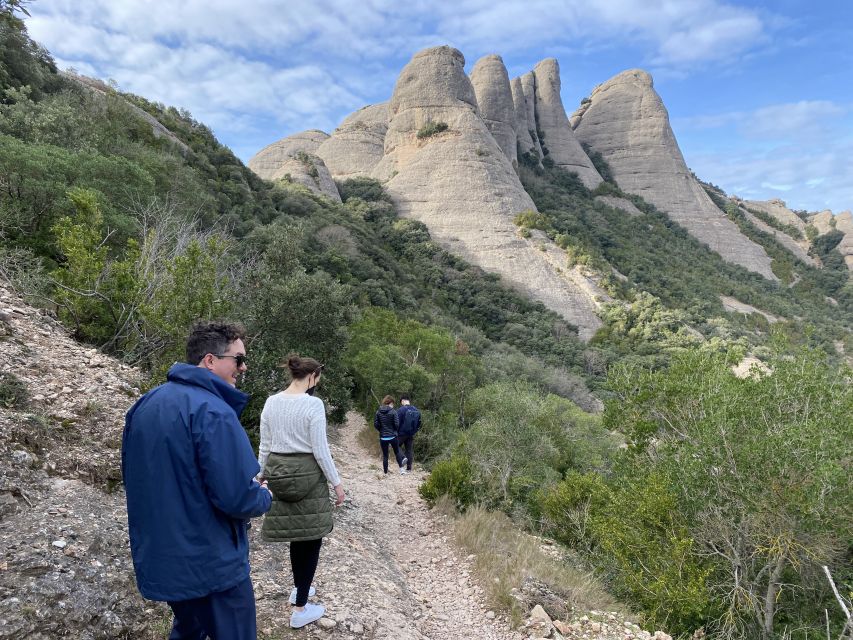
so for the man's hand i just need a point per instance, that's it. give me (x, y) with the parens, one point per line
(339, 493)
(265, 485)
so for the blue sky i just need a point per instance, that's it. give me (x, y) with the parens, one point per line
(760, 95)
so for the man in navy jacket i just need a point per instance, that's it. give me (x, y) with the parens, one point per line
(189, 470)
(410, 424)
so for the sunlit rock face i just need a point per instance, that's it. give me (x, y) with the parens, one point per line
(494, 98)
(460, 183)
(553, 125)
(626, 122)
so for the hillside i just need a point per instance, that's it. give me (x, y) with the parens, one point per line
(386, 571)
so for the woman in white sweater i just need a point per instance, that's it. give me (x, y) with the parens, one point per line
(295, 459)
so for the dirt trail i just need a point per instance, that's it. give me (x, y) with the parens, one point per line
(388, 570)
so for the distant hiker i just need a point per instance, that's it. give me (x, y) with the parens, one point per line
(410, 423)
(387, 424)
(189, 470)
(296, 461)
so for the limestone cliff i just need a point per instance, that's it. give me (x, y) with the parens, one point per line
(295, 158)
(777, 211)
(462, 186)
(825, 222)
(553, 124)
(627, 123)
(494, 97)
(357, 145)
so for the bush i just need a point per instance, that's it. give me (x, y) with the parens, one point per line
(431, 129)
(451, 477)
(13, 391)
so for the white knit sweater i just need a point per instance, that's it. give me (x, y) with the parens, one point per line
(296, 423)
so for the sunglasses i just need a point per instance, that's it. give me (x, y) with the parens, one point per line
(239, 360)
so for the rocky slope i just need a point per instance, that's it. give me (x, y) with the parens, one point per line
(626, 122)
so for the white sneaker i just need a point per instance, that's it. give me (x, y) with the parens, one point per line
(311, 592)
(311, 613)
(403, 463)
(403, 471)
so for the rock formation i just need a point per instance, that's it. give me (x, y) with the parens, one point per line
(461, 185)
(528, 90)
(524, 139)
(357, 145)
(494, 98)
(627, 123)
(825, 222)
(295, 157)
(844, 224)
(553, 125)
(777, 210)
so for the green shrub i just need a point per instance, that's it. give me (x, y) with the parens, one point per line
(531, 220)
(431, 129)
(451, 477)
(637, 537)
(13, 391)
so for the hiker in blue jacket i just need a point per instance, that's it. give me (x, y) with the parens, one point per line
(189, 475)
(386, 423)
(410, 424)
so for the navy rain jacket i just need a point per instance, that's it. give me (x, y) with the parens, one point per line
(189, 470)
(410, 420)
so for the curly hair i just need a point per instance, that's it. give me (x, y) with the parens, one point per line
(211, 336)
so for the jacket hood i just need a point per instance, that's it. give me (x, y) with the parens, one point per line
(183, 373)
(385, 408)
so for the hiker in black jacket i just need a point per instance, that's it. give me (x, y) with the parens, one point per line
(410, 423)
(387, 424)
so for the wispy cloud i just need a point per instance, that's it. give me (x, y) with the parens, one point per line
(272, 68)
(807, 176)
(283, 61)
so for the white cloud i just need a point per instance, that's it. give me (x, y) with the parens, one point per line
(812, 177)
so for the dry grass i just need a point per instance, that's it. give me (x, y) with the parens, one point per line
(506, 557)
(369, 440)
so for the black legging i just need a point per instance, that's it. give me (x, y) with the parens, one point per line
(304, 555)
(384, 444)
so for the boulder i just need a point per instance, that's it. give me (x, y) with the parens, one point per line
(494, 98)
(626, 122)
(357, 145)
(294, 158)
(459, 182)
(557, 136)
